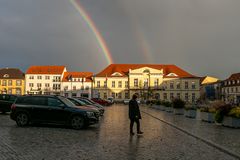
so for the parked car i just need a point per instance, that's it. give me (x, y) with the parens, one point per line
(79, 102)
(101, 101)
(52, 110)
(110, 100)
(90, 102)
(6, 101)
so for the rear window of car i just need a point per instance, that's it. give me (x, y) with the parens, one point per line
(4, 97)
(32, 100)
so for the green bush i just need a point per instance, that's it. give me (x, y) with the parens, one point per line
(178, 103)
(167, 104)
(234, 112)
(221, 111)
(158, 102)
(190, 107)
(208, 109)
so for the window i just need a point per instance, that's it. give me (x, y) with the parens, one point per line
(186, 97)
(178, 85)
(119, 95)
(126, 84)
(47, 85)
(193, 97)
(56, 86)
(74, 88)
(31, 77)
(236, 89)
(105, 95)
(47, 77)
(119, 84)
(105, 83)
(165, 96)
(171, 85)
(87, 87)
(145, 83)
(54, 102)
(65, 88)
(126, 95)
(186, 85)
(31, 85)
(39, 77)
(178, 95)
(9, 82)
(98, 84)
(18, 91)
(113, 84)
(39, 85)
(157, 96)
(9, 91)
(113, 94)
(4, 83)
(135, 82)
(18, 83)
(40, 101)
(171, 96)
(233, 82)
(193, 85)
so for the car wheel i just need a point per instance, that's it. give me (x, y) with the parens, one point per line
(77, 122)
(22, 119)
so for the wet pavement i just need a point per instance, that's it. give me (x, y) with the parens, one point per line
(109, 140)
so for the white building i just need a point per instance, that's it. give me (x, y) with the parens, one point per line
(44, 79)
(77, 84)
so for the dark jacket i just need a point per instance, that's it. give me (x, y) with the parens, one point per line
(134, 112)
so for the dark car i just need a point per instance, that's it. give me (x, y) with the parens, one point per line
(101, 101)
(52, 110)
(92, 103)
(6, 101)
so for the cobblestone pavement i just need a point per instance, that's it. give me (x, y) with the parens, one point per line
(108, 140)
(218, 134)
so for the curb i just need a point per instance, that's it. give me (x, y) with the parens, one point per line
(210, 143)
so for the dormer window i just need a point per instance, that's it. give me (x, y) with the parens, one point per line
(172, 75)
(116, 74)
(6, 75)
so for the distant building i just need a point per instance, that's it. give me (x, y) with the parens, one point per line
(77, 84)
(149, 81)
(44, 79)
(210, 88)
(231, 89)
(12, 81)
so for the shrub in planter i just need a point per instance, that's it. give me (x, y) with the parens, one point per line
(221, 111)
(207, 114)
(168, 106)
(190, 111)
(178, 106)
(232, 119)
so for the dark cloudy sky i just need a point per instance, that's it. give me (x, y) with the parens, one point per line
(200, 36)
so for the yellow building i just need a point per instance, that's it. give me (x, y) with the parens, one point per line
(149, 81)
(12, 81)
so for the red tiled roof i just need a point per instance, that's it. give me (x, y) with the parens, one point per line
(87, 75)
(45, 70)
(124, 69)
(11, 73)
(235, 76)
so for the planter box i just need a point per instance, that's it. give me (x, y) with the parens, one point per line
(178, 111)
(231, 122)
(207, 117)
(155, 106)
(162, 108)
(168, 109)
(190, 113)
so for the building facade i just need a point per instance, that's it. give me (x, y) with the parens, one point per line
(44, 79)
(231, 89)
(77, 84)
(210, 88)
(12, 81)
(163, 82)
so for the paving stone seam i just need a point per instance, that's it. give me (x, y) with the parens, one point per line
(210, 143)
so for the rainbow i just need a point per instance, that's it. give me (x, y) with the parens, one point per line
(93, 27)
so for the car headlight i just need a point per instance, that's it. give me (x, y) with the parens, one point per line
(90, 114)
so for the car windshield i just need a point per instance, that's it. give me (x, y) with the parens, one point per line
(83, 103)
(87, 101)
(66, 101)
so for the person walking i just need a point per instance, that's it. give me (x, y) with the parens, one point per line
(134, 114)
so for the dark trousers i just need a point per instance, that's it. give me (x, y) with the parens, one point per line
(132, 123)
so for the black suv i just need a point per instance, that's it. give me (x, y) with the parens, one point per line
(6, 101)
(51, 110)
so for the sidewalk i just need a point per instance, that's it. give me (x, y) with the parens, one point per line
(228, 138)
